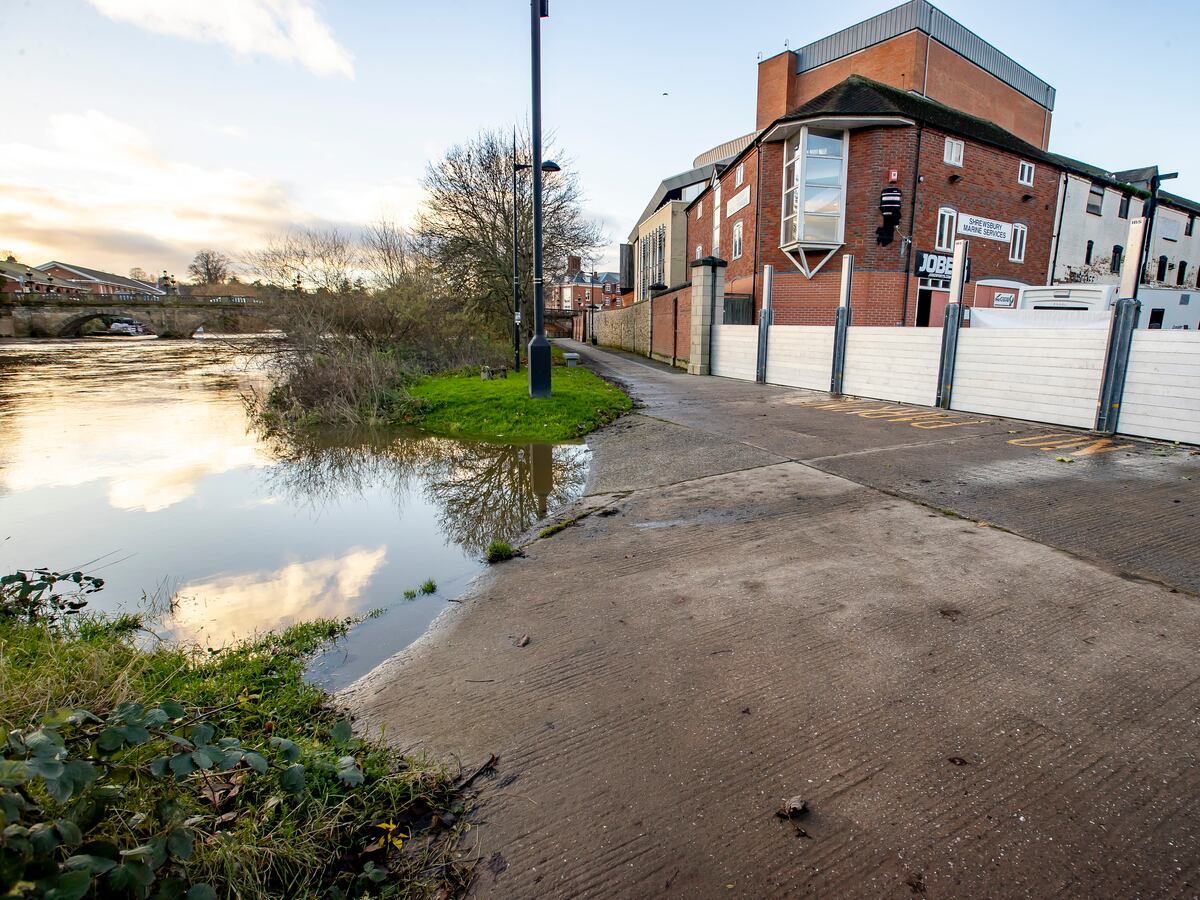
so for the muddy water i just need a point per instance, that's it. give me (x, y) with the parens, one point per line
(137, 462)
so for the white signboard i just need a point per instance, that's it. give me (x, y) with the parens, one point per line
(738, 201)
(1004, 301)
(978, 226)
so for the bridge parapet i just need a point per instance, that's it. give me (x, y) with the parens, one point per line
(149, 301)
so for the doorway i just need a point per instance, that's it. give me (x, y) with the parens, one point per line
(924, 301)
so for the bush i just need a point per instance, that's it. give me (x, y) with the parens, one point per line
(178, 773)
(499, 551)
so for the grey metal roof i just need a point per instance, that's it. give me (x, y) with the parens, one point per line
(920, 15)
(670, 189)
(726, 150)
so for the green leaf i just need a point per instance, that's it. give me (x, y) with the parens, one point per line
(13, 772)
(135, 735)
(71, 885)
(172, 708)
(156, 718)
(341, 733)
(180, 842)
(256, 761)
(288, 750)
(96, 865)
(44, 743)
(349, 772)
(111, 740)
(128, 712)
(202, 733)
(161, 767)
(292, 779)
(47, 768)
(44, 840)
(202, 759)
(171, 889)
(182, 765)
(201, 892)
(69, 832)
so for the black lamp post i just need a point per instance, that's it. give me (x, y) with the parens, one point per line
(548, 166)
(539, 347)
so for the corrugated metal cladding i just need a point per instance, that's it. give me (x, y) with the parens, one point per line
(923, 16)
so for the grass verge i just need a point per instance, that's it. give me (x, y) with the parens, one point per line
(277, 799)
(463, 405)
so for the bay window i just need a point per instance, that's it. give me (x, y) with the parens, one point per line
(814, 188)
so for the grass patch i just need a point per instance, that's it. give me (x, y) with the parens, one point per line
(499, 551)
(300, 816)
(463, 405)
(551, 530)
(429, 586)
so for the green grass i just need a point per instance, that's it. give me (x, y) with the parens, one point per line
(429, 586)
(270, 843)
(499, 551)
(463, 405)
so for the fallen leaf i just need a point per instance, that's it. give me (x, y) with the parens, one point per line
(793, 808)
(1063, 459)
(523, 641)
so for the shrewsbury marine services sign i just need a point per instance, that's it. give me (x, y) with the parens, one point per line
(978, 226)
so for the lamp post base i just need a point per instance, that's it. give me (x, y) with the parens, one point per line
(539, 367)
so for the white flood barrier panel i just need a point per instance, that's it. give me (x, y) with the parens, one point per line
(893, 363)
(1045, 375)
(735, 351)
(1162, 386)
(800, 355)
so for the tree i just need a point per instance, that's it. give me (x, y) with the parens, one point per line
(210, 267)
(321, 258)
(387, 254)
(137, 273)
(465, 229)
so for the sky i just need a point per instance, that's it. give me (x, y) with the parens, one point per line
(139, 131)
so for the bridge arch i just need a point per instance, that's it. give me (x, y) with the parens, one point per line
(73, 327)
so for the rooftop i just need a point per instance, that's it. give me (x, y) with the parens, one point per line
(920, 15)
(85, 274)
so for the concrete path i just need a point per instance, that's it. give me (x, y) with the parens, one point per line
(754, 609)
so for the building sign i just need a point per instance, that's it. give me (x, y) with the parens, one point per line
(738, 201)
(1004, 301)
(978, 226)
(937, 265)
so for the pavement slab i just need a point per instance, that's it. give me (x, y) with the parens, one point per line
(967, 711)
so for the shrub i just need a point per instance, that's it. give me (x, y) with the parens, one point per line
(499, 551)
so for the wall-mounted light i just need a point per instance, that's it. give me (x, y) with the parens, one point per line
(955, 178)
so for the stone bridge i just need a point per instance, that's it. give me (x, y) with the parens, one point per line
(63, 317)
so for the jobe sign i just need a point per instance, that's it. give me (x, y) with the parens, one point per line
(937, 265)
(978, 226)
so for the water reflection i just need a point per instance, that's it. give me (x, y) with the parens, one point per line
(483, 491)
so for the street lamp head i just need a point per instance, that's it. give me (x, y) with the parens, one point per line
(551, 166)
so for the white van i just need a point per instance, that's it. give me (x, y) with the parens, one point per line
(1160, 308)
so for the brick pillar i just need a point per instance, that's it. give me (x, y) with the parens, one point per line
(708, 309)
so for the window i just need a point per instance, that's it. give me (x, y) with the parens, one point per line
(1118, 251)
(1162, 269)
(737, 241)
(740, 175)
(700, 210)
(814, 187)
(1123, 209)
(699, 251)
(1190, 227)
(1156, 318)
(716, 217)
(954, 152)
(1087, 256)
(947, 222)
(1016, 250)
(1025, 174)
(1095, 203)
(1181, 273)
(1169, 229)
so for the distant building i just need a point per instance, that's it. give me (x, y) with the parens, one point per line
(18, 278)
(94, 281)
(576, 289)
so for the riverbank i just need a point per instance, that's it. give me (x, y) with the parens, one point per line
(462, 405)
(174, 768)
(772, 596)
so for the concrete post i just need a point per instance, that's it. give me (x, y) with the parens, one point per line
(708, 309)
(842, 325)
(764, 323)
(1116, 363)
(951, 325)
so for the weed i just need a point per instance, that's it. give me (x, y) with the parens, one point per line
(410, 594)
(499, 551)
(429, 586)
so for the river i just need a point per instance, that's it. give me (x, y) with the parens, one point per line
(138, 462)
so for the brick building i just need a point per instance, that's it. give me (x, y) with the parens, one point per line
(576, 289)
(93, 281)
(808, 189)
(18, 278)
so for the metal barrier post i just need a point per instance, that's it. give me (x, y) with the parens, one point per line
(1116, 363)
(842, 325)
(764, 323)
(951, 325)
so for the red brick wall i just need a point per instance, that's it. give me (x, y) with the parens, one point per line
(671, 331)
(987, 187)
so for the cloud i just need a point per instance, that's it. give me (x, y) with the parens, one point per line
(287, 30)
(111, 201)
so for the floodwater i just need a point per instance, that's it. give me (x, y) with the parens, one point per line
(138, 462)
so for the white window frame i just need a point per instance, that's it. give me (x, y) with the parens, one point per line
(801, 137)
(737, 239)
(953, 153)
(699, 251)
(1016, 247)
(700, 209)
(716, 230)
(1025, 173)
(944, 238)
(739, 175)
